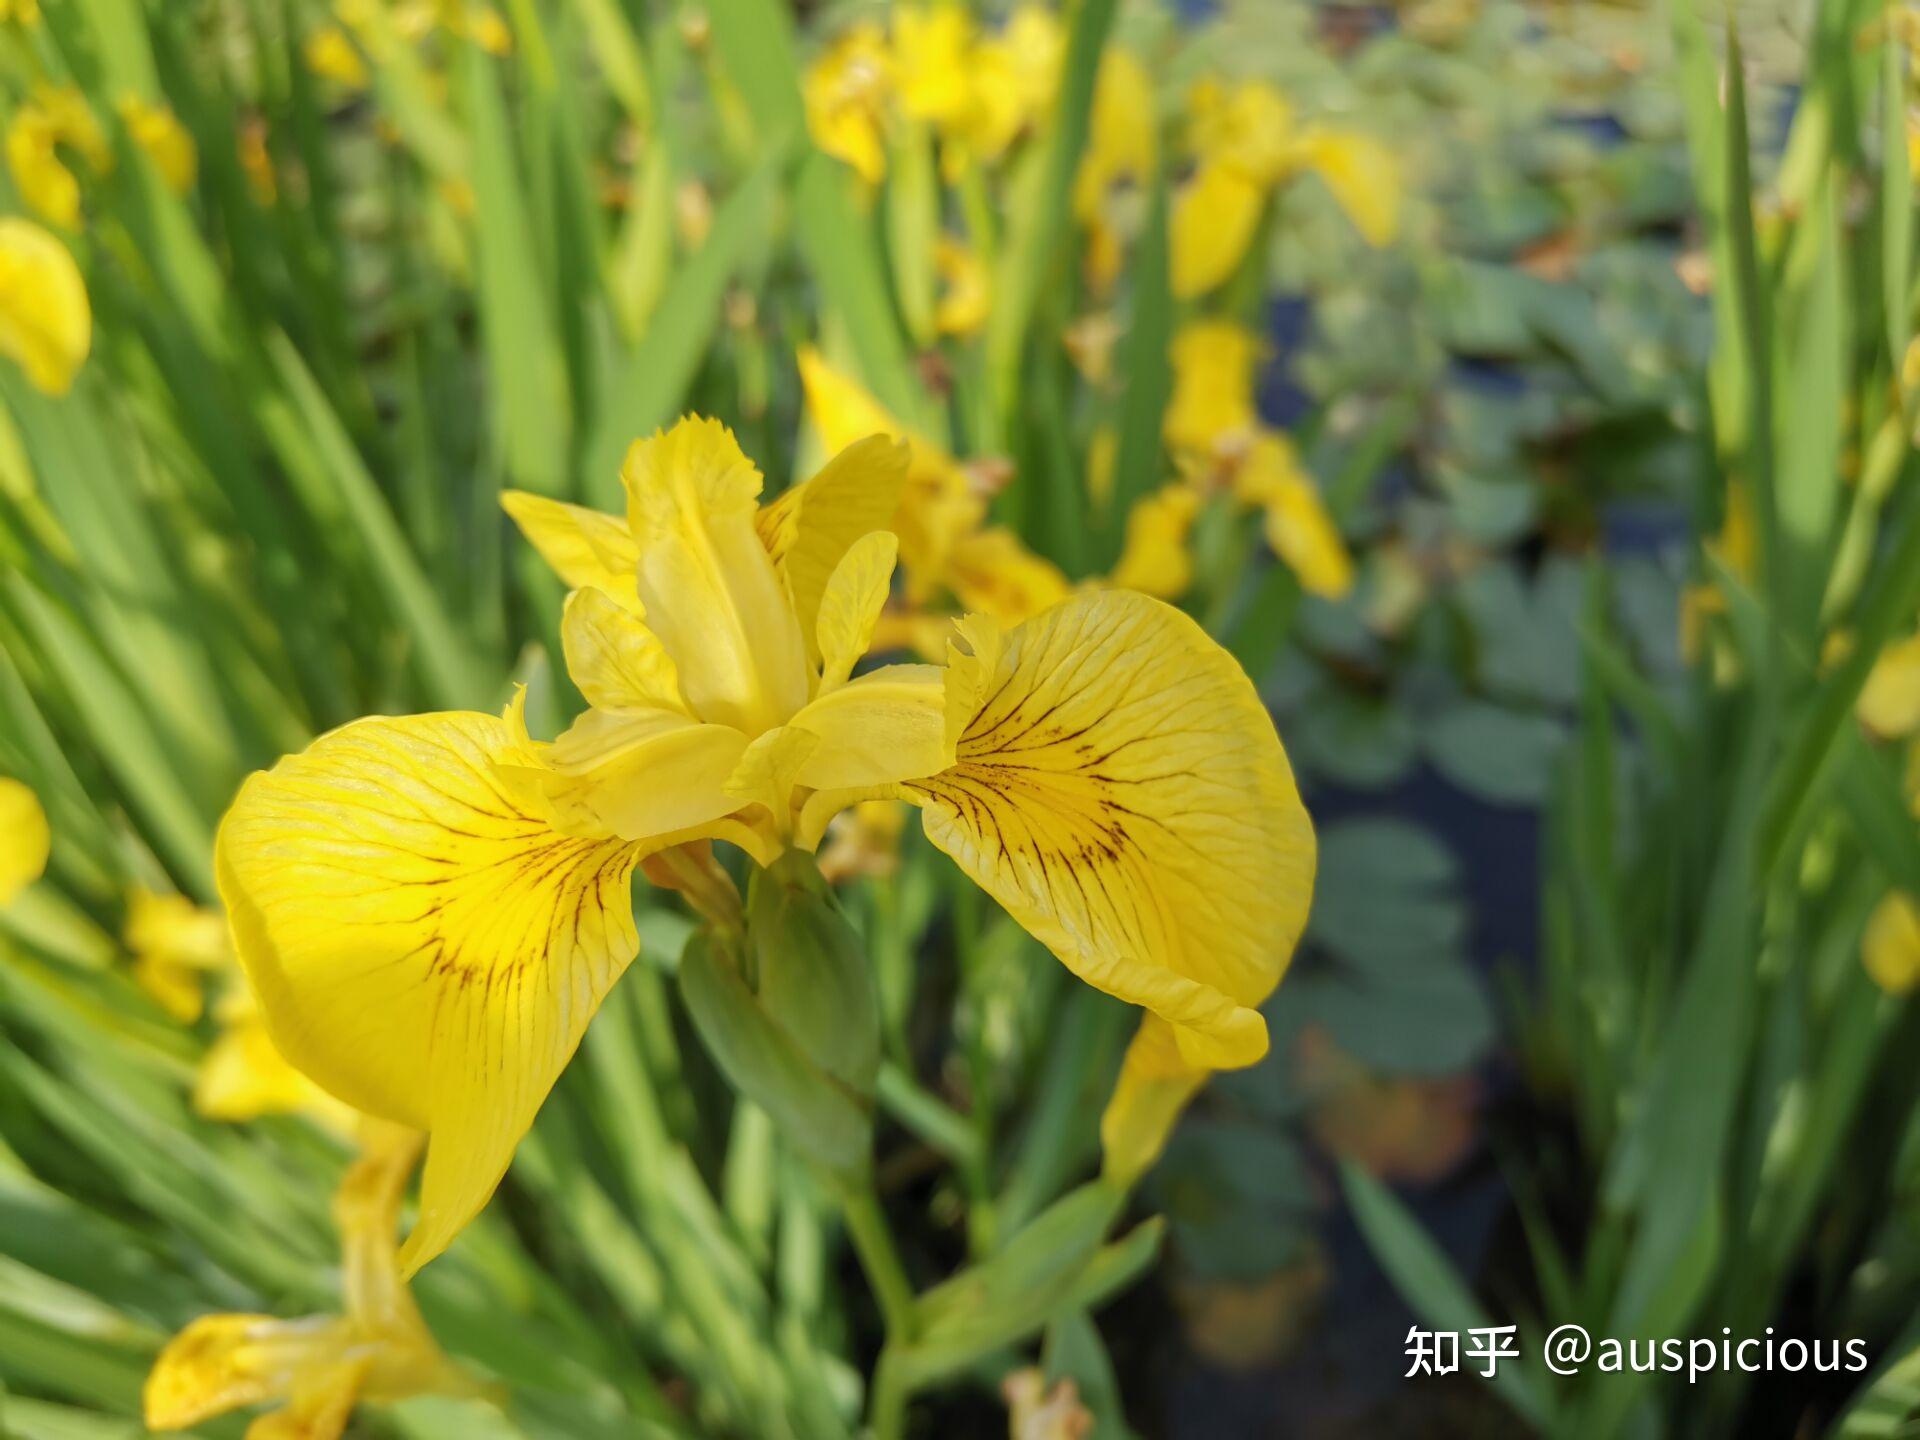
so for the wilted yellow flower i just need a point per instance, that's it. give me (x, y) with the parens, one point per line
(175, 945)
(1155, 559)
(1890, 948)
(25, 839)
(965, 293)
(50, 119)
(847, 91)
(158, 131)
(1889, 703)
(319, 1367)
(1211, 411)
(46, 324)
(1037, 1411)
(432, 907)
(331, 54)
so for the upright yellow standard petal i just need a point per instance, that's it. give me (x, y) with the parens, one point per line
(931, 45)
(423, 943)
(584, 547)
(1123, 134)
(1214, 217)
(24, 839)
(618, 663)
(1890, 948)
(709, 587)
(1121, 791)
(809, 529)
(46, 324)
(847, 92)
(1155, 1084)
(851, 604)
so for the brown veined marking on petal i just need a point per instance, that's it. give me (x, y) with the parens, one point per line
(1038, 786)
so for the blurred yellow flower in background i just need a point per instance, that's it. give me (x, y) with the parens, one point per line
(966, 294)
(20, 12)
(158, 132)
(175, 946)
(1889, 703)
(330, 53)
(846, 92)
(25, 839)
(46, 322)
(1890, 947)
(53, 119)
(320, 1367)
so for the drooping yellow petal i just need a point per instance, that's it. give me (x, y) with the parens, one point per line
(1889, 704)
(1212, 403)
(888, 725)
(809, 529)
(25, 839)
(1298, 525)
(994, 573)
(1121, 791)
(1155, 1085)
(1890, 947)
(222, 1362)
(618, 663)
(46, 323)
(422, 943)
(851, 604)
(1156, 559)
(1214, 219)
(584, 547)
(709, 587)
(1363, 176)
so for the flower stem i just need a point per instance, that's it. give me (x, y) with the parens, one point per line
(873, 1243)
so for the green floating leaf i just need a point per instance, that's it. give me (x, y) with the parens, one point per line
(1502, 756)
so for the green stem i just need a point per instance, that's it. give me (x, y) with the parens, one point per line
(887, 1414)
(873, 1243)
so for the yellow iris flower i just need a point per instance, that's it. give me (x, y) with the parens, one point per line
(431, 908)
(847, 92)
(46, 322)
(24, 839)
(320, 1367)
(1215, 432)
(1245, 144)
(52, 120)
(175, 946)
(966, 292)
(1122, 149)
(330, 53)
